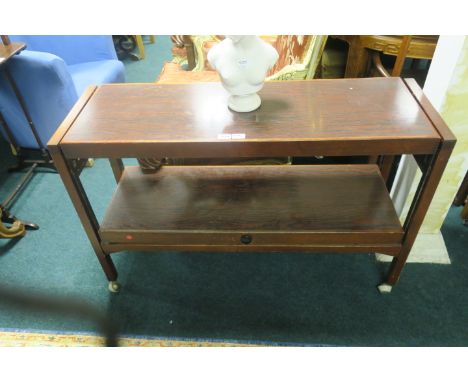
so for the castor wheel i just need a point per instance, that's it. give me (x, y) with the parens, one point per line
(89, 162)
(114, 286)
(30, 226)
(385, 288)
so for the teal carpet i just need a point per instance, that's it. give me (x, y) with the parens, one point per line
(268, 298)
(147, 70)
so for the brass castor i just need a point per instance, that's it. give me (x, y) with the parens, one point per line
(385, 288)
(89, 162)
(114, 286)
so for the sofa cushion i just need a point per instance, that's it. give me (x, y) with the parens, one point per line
(95, 73)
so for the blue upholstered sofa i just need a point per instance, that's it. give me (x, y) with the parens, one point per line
(51, 74)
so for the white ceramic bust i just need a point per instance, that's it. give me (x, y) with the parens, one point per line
(242, 63)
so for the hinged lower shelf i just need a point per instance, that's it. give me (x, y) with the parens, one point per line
(217, 207)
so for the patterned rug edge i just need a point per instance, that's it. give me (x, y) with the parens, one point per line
(10, 337)
(13, 338)
(18, 338)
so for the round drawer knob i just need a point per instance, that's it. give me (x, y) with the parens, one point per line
(246, 239)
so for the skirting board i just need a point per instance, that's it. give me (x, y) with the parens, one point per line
(428, 248)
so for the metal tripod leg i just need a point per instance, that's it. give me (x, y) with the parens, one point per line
(7, 216)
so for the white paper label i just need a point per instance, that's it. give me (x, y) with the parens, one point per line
(228, 137)
(238, 136)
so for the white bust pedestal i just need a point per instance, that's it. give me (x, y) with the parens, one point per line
(242, 63)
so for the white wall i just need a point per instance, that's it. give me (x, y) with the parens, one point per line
(438, 78)
(442, 66)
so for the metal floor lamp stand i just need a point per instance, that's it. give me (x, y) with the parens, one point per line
(24, 157)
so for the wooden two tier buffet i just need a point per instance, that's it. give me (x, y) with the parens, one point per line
(251, 208)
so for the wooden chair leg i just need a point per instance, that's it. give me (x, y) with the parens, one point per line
(462, 193)
(141, 46)
(400, 60)
(464, 213)
(5, 40)
(358, 60)
(378, 64)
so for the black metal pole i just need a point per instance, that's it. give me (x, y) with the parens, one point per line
(24, 180)
(22, 103)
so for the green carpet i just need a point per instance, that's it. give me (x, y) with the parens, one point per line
(268, 298)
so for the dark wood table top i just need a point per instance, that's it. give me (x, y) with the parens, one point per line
(318, 117)
(8, 51)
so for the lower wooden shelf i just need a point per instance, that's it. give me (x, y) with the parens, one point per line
(343, 208)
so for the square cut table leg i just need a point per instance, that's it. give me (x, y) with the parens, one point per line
(432, 170)
(426, 189)
(85, 212)
(117, 168)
